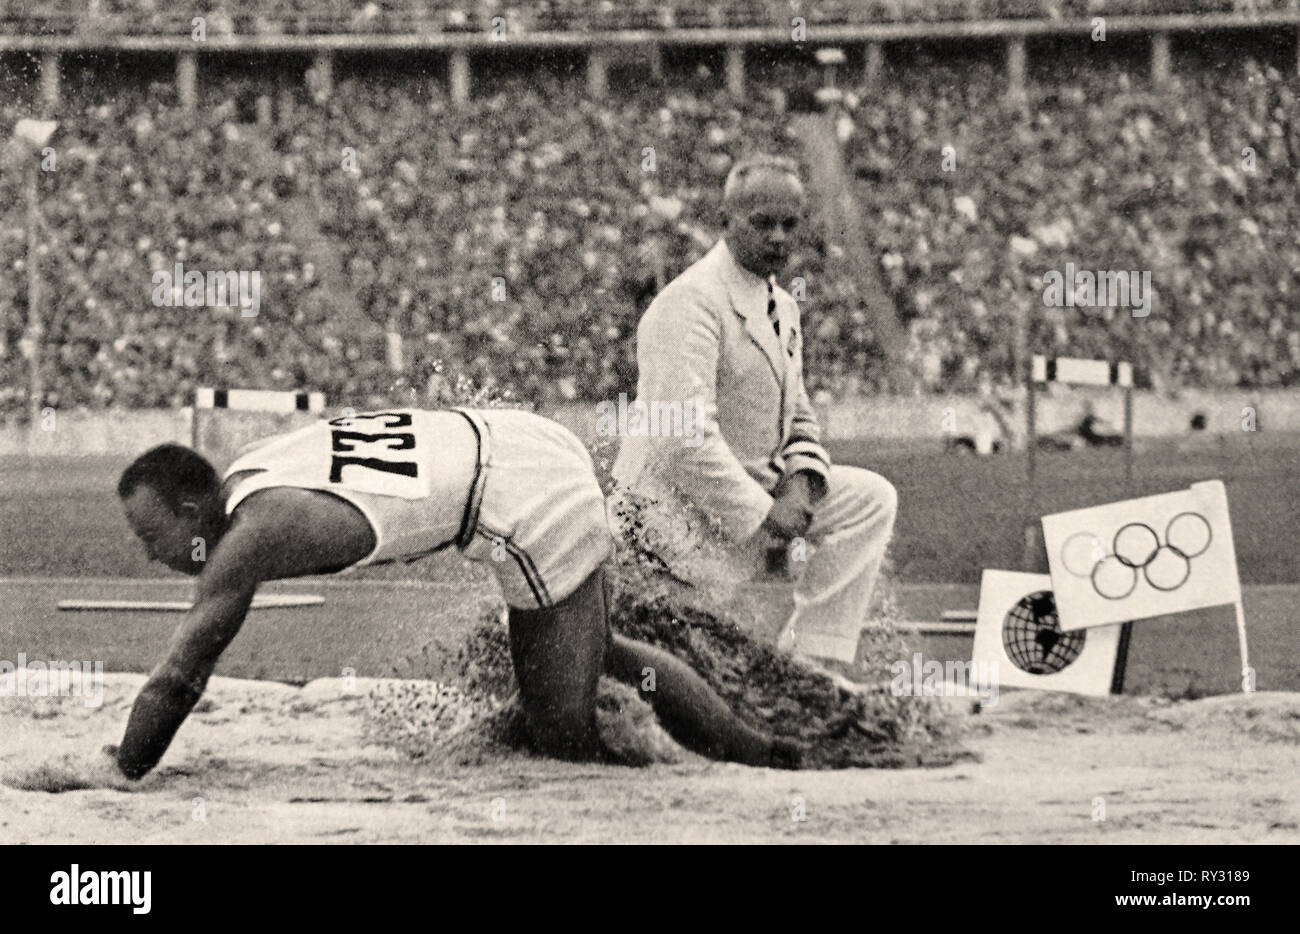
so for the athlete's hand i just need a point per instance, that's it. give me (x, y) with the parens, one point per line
(74, 772)
(104, 772)
(792, 511)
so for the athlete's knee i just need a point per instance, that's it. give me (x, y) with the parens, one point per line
(560, 711)
(565, 731)
(558, 654)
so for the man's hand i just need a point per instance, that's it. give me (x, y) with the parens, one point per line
(789, 518)
(792, 512)
(774, 550)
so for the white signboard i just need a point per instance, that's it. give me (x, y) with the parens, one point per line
(1018, 636)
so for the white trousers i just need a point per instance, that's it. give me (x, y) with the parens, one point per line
(845, 546)
(851, 529)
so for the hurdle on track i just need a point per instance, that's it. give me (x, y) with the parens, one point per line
(252, 400)
(1075, 372)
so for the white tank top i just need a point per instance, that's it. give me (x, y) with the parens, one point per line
(416, 476)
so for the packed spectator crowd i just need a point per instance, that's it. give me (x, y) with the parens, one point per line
(1196, 184)
(257, 17)
(514, 241)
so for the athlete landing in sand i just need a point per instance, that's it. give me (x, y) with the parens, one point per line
(399, 485)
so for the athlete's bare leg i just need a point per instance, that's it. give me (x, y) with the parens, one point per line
(559, 654)
(686, 706)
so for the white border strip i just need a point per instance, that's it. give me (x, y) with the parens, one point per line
(923, 627)
(260, 602)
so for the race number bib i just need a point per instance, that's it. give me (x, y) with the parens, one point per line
(376, 452)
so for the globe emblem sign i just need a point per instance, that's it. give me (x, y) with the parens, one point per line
(1033, 639)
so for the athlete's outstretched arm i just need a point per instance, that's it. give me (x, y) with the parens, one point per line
(225, 591)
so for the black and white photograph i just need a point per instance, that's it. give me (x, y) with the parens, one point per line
(651, 423)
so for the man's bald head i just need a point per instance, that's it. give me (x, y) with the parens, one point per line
(758, 176)
(763, 205)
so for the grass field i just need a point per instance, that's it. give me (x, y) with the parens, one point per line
(64, 537)
(957, 514)
(413, 630)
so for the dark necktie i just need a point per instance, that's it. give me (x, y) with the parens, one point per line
(771, 309)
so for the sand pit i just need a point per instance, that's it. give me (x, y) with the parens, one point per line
(412, 760)
(270, 762)
(477, 717)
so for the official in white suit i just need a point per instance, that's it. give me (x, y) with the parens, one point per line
(724, 336)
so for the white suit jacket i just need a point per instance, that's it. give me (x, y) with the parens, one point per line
(706, 339)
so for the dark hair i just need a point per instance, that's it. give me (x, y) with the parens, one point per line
(175, 472)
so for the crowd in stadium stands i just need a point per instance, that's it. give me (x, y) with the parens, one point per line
(254, 17)
(517, 239)
(1196, 184)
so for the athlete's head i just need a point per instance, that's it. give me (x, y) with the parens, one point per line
(172, 498)
(763, 205)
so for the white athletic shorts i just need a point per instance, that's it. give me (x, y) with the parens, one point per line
(541, 524)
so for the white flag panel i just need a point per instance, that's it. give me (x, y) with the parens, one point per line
(1143, 557)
